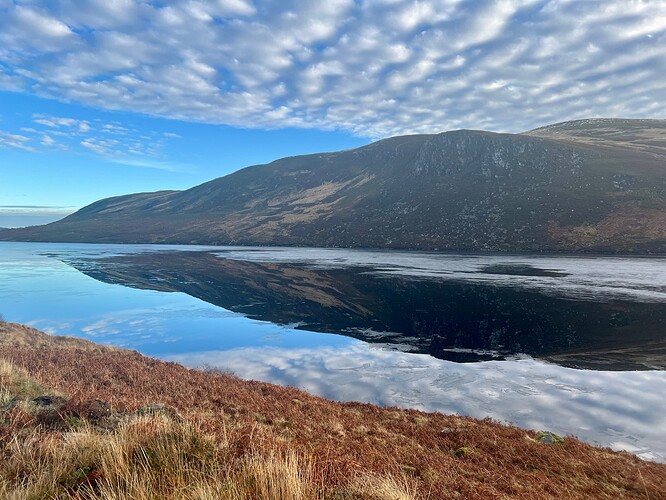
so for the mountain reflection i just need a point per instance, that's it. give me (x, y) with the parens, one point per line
(456, 320)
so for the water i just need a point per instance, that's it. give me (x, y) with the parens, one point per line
(565, 344)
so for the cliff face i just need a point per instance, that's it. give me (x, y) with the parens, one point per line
(592, 185)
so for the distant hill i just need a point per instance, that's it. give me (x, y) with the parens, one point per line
(582, 186)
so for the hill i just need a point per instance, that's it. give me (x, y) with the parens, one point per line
(82, 421)
(584, 186)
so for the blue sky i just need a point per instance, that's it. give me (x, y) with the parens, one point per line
(58, 157)
(107, 97)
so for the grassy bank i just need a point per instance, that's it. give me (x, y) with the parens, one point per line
(85, 421)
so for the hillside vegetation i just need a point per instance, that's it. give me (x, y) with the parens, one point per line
(84, 421)
(584, 186)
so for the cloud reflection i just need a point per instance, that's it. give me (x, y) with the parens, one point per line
(623, 410)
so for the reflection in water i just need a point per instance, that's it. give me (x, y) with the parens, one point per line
(500, 310)
(623, 410)
(604, 313)
(581, 277)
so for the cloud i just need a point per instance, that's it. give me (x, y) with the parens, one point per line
(15, 141)
(111, 141)
(153, 164)
(115, 129)
(143, 152)
(47, 140)
(33, 207)
(372, 67)
(58, 122)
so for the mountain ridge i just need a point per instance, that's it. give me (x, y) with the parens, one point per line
(584, 186)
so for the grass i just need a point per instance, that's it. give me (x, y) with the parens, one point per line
(15, 381)
(215, 436)
(146, 457)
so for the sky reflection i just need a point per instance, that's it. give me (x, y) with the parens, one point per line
(623, 410)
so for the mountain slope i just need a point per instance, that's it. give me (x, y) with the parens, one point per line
(591, 185)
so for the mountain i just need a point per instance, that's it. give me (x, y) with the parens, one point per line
(583, 186)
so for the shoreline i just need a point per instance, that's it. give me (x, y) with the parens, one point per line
(418, 448)
(491, 253)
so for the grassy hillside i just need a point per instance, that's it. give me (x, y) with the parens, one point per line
(82, 421)
(587, 186)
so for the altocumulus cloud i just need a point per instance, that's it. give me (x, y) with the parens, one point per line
(372, 67)
(113, 141)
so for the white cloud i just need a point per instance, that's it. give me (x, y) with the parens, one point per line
(15, 141)
(112, 141)
(100, 146)
(373, 67)
(42, 25)
(47, 140)
(66, 126)
(151, 164)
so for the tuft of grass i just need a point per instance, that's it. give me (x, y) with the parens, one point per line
(153, 457)
(461, 452)
(6, 398)
(276, 477)
(146, 457)
(382, 488)
(16, 382)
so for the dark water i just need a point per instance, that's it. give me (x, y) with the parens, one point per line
(457, 318)
(572, 345)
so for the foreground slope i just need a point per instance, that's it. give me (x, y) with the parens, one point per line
(82, 421)
(591, 185)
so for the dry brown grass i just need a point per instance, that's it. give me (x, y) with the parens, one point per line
(268, 438)
(146, 457)
(142, 457)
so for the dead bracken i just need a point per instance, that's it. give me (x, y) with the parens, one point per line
(83, 421)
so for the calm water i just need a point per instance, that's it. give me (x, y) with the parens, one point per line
(570, 345)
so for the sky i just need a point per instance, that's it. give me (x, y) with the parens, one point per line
(106, 97)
